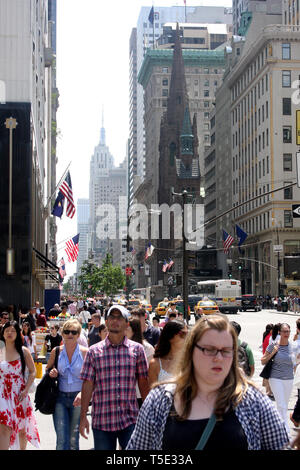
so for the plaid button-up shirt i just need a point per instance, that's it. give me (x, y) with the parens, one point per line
(114, 371)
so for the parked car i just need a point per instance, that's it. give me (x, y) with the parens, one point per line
(206, 307)
(250, 302)
(161, 308)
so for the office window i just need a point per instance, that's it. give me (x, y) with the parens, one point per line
(165, 70)
(288, 219)
(165, 92)
(206, 92)
(287, 134)
(287, 162)
(286, 51)
(286, 78)
(288, 192)
(286, 106)
(165, 82)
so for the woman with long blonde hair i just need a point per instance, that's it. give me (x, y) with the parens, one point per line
(208, 396)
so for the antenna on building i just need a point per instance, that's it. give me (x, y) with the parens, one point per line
(102, 134)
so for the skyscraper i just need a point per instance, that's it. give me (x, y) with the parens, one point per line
(83, 211)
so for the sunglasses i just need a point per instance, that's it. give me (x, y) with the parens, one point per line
(67, 332)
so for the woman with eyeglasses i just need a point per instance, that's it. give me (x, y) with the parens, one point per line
(282, 373)
(210, 399)
(66, 416)
(169, 345)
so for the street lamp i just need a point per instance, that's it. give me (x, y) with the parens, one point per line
(10, 124)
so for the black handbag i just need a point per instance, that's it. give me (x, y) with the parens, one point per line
(266, 372)
(47, 391)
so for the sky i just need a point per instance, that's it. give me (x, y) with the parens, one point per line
(93, 73)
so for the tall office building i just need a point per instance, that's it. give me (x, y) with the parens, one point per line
(83, 212)
(26, 77)
(107, 185)
(142, 38)
(291, 12)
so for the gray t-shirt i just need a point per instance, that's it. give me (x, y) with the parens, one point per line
(94, 335)
(283, 363)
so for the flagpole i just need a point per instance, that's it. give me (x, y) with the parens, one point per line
(58, 184)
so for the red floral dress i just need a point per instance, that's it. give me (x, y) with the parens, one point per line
(13, 413)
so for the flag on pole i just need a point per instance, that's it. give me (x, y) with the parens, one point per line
(241, 235)
(132, 250)
(165, 266)
(171, 262)
(149, 250)
(151, 16)
(72, 248)
(227, 241)
(58, 207)
(62, 269)
(66, 189)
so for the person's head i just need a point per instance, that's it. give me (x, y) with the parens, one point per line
(54, 329)
(275, 331)
(71, 331)
(298, 324)
(134, 330)
(56, 306)
(96, 319)
(141, 314)
(11, 333)
(155, 322)
(236, 326)
(26, 330)
(209, 357)
(173, 331)
(173, 306)
(269, 327)
(64, 308)
(117, 319)
(103, 331)
(172, 316)
(32, 310)
(4, 318)
(284, 331)
(42, 310)
(37, 304)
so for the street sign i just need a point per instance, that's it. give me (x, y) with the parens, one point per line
(296, 210)
(278, 248)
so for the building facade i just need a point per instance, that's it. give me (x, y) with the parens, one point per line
(27, 75)
(83, 213)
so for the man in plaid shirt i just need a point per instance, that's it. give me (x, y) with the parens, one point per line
(110, 371)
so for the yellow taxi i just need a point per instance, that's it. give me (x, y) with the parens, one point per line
(206, 307)
(135, 303)
(147, 306)
(161, 308)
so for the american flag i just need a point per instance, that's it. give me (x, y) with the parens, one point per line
(227, 241)
(66, 189)
(165, 266)
(171, 262)
(72, 248)
(149, 250)
(62, 268)
(132, 250)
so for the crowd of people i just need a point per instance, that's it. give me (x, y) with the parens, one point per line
(148, 384)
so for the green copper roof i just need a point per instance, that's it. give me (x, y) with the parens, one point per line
(191, 58)
(246, 19)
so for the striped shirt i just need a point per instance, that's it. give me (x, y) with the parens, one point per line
(283, 364)
(114, 370)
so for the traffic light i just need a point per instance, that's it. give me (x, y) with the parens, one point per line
(230, 272)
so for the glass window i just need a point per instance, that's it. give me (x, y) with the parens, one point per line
(165, 82)
(288, 192)
(286, 51)
(287, 134)
(288, 219)
(286, 78)
(286, 106)
(287, 162)
(206, 92)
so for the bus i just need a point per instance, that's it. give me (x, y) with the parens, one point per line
(227, 293)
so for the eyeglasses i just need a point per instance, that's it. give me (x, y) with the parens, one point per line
(212, 352)
(67, 332)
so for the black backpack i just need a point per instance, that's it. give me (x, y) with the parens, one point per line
(243, 359)
(47, 391)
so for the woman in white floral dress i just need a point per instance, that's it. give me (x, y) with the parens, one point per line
(17, 420)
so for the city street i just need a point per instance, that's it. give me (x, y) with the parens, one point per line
(252, 324)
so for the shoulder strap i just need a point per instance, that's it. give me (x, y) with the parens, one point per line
(207, 432)
(57, 351)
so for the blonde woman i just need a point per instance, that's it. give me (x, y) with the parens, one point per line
(208, 387)
(67, 411)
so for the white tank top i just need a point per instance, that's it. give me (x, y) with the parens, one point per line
(163, 374)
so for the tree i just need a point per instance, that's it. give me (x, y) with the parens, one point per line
(110, 278)
(87, 278)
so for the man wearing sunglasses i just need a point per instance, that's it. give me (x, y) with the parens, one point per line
(110, 372)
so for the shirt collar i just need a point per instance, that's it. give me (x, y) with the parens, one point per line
(124, 342)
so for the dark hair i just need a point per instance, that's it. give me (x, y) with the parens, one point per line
(276, 330)
(173, 315)
(29, 330)
(139, 312)
(156, 318)
(236, 326)
(18, 340)
(298, 323)
(168, 332)
(102, 327)
(135, 325)
(269, 327)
